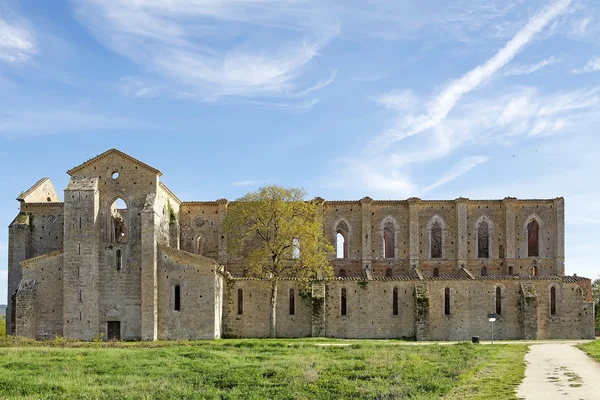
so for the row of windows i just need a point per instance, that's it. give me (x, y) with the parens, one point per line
(343, 301)
(436, 241)
(389, 273)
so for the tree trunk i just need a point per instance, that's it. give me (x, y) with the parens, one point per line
(273, 316)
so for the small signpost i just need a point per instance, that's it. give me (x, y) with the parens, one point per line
(492, 317)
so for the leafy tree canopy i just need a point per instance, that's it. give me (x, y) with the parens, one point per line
(279, 233)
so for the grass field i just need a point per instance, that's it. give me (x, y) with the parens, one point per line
(259, 369)
(592, 349)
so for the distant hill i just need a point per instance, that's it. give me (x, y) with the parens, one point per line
(2, 309)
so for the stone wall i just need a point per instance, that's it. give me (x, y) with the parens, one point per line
(46, 272)
(254, 319)
(199, 290)
(421, 309)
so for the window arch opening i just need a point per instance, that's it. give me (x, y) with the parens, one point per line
(389, 246)
(296, 248)
(177, 298)
(240, 301)
(119, 260)
(483, 240)
(436, 272)
(118, 221)
(532, 239)
(389, 273)
(552, 300)
(395, 301)
(292, 302)
(436, 240)
(342, 240)
(498, 301)
(483, 271)
(447, 301)
(342, 273)
(343, 309)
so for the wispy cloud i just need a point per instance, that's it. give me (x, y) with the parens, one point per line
(16, 42)
(448, 98)
(35, 119)
(591, 66)
(434, 128)
(213, 49)
(397, 100)
(464, 166)
(247, 182)
(530, 68)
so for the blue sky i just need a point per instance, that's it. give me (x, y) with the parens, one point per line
(389, 99)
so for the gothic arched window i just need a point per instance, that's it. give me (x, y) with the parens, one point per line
(498, 301)
(292, 302)
(447, 301)
(395, 301)
(532, 239)
(240, 301)
(342, 239)
(389, 247)
(343, 301)
(177, 298)
(436, 240)
(483, 240)
(552, 300)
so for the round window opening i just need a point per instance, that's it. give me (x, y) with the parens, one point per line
(115, 175)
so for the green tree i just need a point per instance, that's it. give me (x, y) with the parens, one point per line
(596, 296)
(280, 234)
(2, 325)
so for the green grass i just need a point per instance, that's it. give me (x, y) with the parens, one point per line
(592, 349)
(258, 369)
(498, 378)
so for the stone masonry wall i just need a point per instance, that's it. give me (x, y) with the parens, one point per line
(196, 318)
(46, 272)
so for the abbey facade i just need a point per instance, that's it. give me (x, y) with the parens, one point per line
(122, 256)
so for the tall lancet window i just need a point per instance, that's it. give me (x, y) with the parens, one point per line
(342, 240)
(389, 246)
(532, 239)
(483, 240)
(117, 229)
(436, 240)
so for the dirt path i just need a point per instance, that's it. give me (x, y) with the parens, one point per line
(559, 371)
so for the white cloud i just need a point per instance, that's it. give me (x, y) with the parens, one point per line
(214, 49)
(397, 100)
(441, 105)
(16, 42)
(530, 68)
(591, 66)
(464, 166)
(457, 117)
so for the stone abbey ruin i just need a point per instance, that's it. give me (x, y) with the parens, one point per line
(156, 267)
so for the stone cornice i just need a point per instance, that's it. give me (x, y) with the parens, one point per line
(30, 261)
